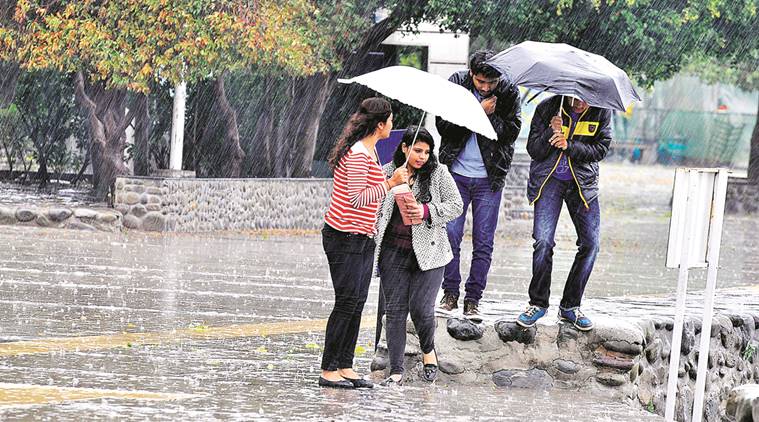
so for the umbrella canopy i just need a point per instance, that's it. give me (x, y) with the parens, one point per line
(566, 70)
(430, 93)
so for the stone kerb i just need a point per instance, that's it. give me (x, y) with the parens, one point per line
(202, 205)
(625, 360)
(742, 197)
(61, 217)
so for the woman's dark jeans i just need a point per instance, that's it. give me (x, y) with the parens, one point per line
(350, 259)
(407, 289)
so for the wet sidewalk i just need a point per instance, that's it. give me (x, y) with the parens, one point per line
(235, 321)
(229, 326)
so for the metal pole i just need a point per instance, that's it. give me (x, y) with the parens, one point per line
(715, 239)
(424, 113)
(177, 126)
(682, 287)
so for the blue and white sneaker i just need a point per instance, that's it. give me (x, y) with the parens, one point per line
(531, 315)
(577, 318)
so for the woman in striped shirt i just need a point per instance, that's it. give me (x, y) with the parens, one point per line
(348, 234)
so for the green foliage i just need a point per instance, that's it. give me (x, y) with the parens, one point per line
(651, 40)
(749, 351)
(733, 55)
(714, 70)
(410, 56)
(48, 124)
(16, 148)
(130, 43)
(650, 407)
(62, 160)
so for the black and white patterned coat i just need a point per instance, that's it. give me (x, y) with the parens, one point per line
(430, 238)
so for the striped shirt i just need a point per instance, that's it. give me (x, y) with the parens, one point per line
(357, 192)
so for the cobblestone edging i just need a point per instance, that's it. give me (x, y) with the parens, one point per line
(742, 197)
(76, 218)
(200, 205)
(626, 359)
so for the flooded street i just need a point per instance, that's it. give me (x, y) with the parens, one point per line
(166, 167)
(138, 326)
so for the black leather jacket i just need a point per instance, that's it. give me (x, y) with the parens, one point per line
(588, 145)
(506, 120)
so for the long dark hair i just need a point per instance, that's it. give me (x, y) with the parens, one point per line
(361, 124)
(423, 175)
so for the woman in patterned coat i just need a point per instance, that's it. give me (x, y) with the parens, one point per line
(410, 259)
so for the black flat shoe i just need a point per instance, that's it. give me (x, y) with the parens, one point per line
(323, 382)
(429, 371)
(360, 382)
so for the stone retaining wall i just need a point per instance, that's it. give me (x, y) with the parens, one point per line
(77, 218)
(200, 205)
(623, 359)
(742, 197)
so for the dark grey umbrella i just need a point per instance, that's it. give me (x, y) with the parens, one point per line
(566, 70)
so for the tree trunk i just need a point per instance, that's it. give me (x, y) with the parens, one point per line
(220, 139)
(291, 144)
(262, 164)
(9, 159)
(199, 115)
(301, 123)
(753, 161)
(142, 136)
(309, 110)
(104, 110)
(43, 177)
(80, 173)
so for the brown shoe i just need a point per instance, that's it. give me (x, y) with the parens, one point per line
(471, 312)
(448, 303)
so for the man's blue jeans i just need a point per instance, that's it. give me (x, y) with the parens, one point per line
(587, 222)
(485, 206)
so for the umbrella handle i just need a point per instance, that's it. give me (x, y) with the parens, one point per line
(561, 106)
(424, 113)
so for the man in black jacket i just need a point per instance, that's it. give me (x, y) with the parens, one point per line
(565, 152)
(479, 166)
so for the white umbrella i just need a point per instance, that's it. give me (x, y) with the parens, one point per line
(430, 93)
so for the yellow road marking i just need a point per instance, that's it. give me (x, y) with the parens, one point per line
(66, 344)
(28, 394)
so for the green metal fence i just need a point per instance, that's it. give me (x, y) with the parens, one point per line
(687, 137)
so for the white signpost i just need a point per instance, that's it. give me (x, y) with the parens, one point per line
(695, 234)
(177, 126)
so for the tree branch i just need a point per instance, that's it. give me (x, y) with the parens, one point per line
(81, 94)
(125, 122)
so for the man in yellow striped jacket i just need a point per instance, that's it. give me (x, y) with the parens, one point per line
(565, 144)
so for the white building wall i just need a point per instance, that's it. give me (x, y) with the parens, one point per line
(447, 52)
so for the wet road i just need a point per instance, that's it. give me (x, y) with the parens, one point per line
(132, 320)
